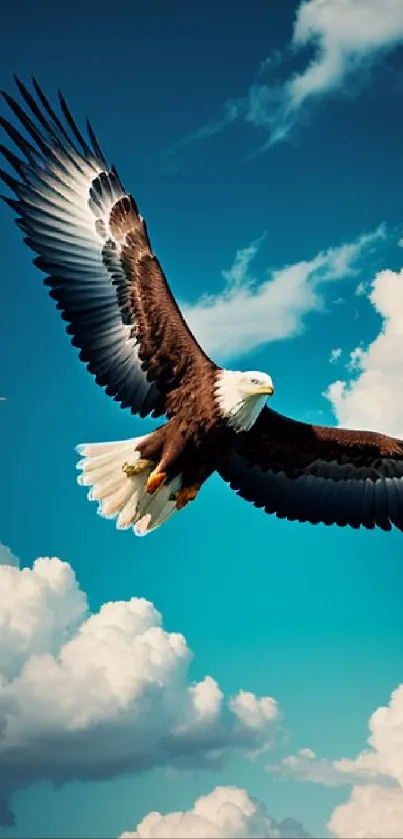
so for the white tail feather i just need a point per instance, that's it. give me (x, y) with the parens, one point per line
(120, 496)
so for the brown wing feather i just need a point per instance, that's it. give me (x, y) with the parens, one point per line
(318, 474)
(168, 350)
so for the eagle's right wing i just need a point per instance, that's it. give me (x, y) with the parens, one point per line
(93, 245)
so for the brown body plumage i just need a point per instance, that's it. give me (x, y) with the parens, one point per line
(94, 248)
(194, 450)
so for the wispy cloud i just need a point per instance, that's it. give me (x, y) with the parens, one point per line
(247, 314)
(335, 355)
(7, 557)
(356, 360)
(307, 766)
(233, 109)
(238, 276)
(361, 289)
(347, 37)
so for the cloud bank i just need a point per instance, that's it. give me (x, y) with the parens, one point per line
(247, 314)
(90, 696)
(226, 813)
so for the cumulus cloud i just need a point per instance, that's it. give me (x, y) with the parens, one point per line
(253, 712)
(375, 806)
(248, 314)
(226, 813)
(373, 399)
(371, 811)
(346, 37)
(91, 696)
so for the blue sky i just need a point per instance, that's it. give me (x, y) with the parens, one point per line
(264, 148)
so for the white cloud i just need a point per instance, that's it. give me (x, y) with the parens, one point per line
(226, 813)
(346, 34)
(375, 806)
(247, 315)
(335, 355)
(373, 399)
(90, 696)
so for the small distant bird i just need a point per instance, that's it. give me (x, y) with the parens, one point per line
(110, 288)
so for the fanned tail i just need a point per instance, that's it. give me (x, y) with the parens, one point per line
(121, 496)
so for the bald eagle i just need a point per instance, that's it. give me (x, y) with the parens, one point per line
(94, 248)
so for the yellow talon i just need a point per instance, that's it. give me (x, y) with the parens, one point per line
(155, 481)
(184, 496)
(132, 469)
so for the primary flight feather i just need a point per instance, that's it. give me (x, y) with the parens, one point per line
(93, 246)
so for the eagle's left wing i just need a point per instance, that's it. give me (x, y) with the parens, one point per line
(93, 245)
(315, 474)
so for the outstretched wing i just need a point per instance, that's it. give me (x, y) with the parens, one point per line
(311, 473)
(93, 245)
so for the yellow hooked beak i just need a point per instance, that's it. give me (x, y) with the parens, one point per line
(266, 389)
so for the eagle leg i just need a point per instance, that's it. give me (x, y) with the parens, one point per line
(155, 481)
(184, 496)
(132, 469)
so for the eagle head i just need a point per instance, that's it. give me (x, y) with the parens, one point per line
(241, 396)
